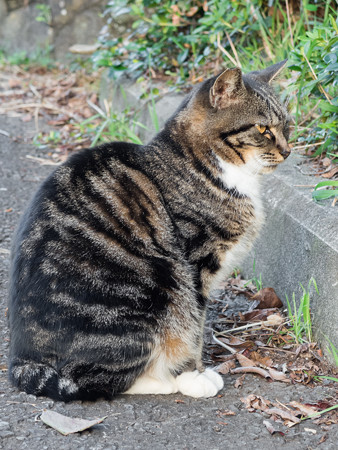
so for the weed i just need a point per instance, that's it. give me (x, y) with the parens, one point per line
(42, 141)
(300, 317)
(257, 281)
(40, 57)
(321, 194)
(176, 39)
(316, 60)
(107, 125)
(45, 13)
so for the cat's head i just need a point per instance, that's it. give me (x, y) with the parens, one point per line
(241, 119)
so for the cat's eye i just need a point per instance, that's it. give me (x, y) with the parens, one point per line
(261, 128)
(265, 131)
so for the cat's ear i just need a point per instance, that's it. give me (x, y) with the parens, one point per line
(228, 88)
(270, 73)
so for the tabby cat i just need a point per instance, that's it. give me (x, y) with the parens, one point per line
(115, 257)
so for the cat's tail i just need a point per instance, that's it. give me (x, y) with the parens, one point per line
(40, 379)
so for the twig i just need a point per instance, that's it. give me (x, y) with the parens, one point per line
(334, 201)
(220, 46)
(276, 349)
(314, 173)
(36, 119)
(233, 49)
(43, 161)
(5, 133)
(289, 22)
(35, 91)
(38, 105)
(12, 93)
(230, 349)
(297, 147)
(96, 108)
(284, 406)
(305, 185)
(309, 114)
(252, 369)
(314, 76)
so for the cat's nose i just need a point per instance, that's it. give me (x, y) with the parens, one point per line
(285, 152)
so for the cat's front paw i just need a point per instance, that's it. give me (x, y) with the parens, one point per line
(196, 384)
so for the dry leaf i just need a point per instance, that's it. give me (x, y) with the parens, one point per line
(225, 367)
(264, 360)
(237, 342)
(192, 11)
(67, 425)
(287, 415)
(331, 173)
(273, 320)
(239, 382)
(257, 315)
(271, 429)
(253, 402)
(278, 376)
(225, 412)
(244, 361)
(323, 438)
(267, 298)
(304, 409)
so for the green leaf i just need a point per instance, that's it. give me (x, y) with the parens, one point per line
(326, 106)
(311, 7)
(327, 183)
(323, 195)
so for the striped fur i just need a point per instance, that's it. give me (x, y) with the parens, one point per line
(116, 255)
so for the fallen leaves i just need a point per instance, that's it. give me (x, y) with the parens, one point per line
(61, 98)
(271, 428)
(67, 425)
(290, 415)
(267, 298)
(261, 340)
(225, 367)
(290, 419)
(253, 402)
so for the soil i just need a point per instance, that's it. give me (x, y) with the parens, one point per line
(133, 422)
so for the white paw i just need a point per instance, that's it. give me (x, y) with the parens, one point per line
(214, 377)
(196, 384)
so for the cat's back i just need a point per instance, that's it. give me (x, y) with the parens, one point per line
(92, 224)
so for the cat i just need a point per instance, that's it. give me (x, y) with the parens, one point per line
(114, 259)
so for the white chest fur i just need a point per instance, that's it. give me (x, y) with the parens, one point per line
(246, 180)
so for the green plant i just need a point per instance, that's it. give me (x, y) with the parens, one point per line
(300, 317)
(40, 57)
(316, 59)
(187, 41)
(256, 280)
(321, 194)
(44, 140)
(45, 14)
(107, 125)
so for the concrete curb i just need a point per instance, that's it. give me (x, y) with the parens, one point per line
(300, 237)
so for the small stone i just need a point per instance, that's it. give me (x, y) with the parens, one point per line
(6, 433)
(4, 425)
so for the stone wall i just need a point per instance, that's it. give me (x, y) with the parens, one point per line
(70, 22)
